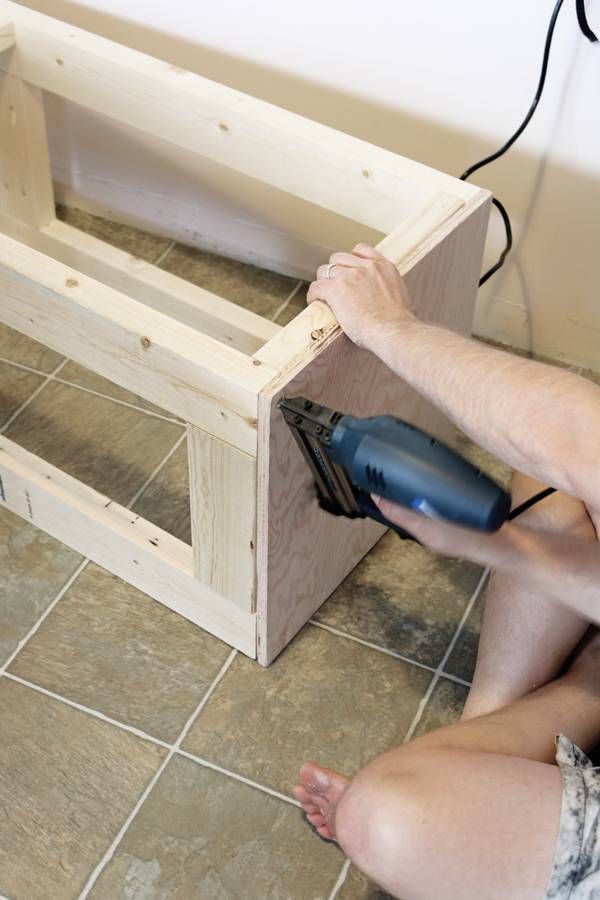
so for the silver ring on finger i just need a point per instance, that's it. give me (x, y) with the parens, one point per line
(328, 271)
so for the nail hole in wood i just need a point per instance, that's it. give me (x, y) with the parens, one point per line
(366, 173)
(60, 62)
(146, 343)
(72, 283)
(256, 362)
(223, 126)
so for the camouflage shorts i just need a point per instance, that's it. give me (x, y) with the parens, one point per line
(576, 872)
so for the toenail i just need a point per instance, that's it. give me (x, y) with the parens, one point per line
(322, 781)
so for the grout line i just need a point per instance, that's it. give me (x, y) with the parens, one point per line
(380, 649)
(237, 777)
(455, 679)
(285, 303)
(148, 790)
(163, 255)
(158, 468)
(81, 387)
(439, 671)
(87, 390)
(95, 713)
(341, 880)
(44, 615)
(32, 396)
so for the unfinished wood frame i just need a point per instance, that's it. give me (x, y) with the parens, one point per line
(264, 556)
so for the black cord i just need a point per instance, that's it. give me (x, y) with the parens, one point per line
(537, 498)
(583, 23)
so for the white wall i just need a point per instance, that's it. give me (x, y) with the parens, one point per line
(441, 82)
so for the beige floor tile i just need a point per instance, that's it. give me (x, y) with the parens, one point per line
(110, 647)
(67, 783)
(166, 502)
(445, 706)
(34, 568)
(131, 240)
(203, 836)
(490, 465)
(16, 386)
(76, 374)
(358, 887)
(110, 447)
(295, 306)
(403, 598)
(20, 349)
(326, 698)
(256, 289)
(462, 659)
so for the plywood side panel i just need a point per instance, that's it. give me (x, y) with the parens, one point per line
(304, 553)
(25, 180)
(132, 548)
(223, 510)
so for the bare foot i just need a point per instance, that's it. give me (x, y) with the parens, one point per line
(319, 795)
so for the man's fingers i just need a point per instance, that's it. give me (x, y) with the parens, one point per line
(348, 260)
(367, 252)
(319, 290)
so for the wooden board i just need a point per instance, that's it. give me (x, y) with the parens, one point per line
(304, 553)
(223, 508)
(132, 548)
(189, 304)
(206, 383)
(335, 171)
(7, 35)
(25, 179)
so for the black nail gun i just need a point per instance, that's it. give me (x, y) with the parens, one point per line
(351, 459)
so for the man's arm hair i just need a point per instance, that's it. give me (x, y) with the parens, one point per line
(540, 419)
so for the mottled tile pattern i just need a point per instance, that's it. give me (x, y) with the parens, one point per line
(109, 447)
(444, 707)
(464, 655)
(325, 698)
(67, 783)
(404, 598)
(490, 465)
(78, 375)
(112, 648)
(138, 243)
(17, 348)
(358, 887)
(34, 568)
(261, 291)
(295, 306)
(166, 502)
(203, 836)
(16, 386)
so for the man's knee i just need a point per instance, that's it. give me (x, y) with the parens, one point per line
(557, 514)
(380, 818)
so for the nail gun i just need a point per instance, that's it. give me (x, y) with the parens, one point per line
(352, 458)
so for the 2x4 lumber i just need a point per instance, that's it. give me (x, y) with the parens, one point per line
(118, 540)
(25, 180)
(191, 375)
(223, 508)
(193, 306)
(304, 553)
(7, 35)
(331, 169)
(302, 336)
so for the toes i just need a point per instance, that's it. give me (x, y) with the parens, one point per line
(316, 820)
(325, 833)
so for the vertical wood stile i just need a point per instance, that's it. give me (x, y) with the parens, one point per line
(223, 510)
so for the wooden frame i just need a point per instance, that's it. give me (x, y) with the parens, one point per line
(264, 556)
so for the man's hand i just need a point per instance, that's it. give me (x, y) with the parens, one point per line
(450, 540)
(366, 294)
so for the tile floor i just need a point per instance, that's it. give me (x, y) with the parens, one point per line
(142, 759)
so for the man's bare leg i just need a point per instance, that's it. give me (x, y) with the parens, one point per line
(468, 811)
(526, 638)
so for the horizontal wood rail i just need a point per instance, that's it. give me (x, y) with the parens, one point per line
(132, 548)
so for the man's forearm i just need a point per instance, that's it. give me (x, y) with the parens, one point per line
(539, 419)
